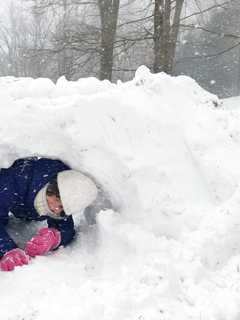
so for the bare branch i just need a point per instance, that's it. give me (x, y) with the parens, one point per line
(210, 55)
(220, 34)
(205, 10)
(135, 21)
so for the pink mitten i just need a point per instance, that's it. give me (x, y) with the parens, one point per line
(13, 258)
(45, 240)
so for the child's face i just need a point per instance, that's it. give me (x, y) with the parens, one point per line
(55, 205)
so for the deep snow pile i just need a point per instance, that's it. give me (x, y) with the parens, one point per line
(169, 161)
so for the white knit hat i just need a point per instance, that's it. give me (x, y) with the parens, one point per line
(40, 202)
(77, 191)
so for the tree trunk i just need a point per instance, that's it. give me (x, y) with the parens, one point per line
(166, 28)
(109, 16)
(62, 56)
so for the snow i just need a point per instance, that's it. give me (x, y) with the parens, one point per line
(167, 154)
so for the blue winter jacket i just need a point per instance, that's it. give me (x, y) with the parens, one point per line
(19, 184)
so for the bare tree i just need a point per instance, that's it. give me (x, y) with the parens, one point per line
(210, 52)
(167, 15)
(109, 17)
(20, 36)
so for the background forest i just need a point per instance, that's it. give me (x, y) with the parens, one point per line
(109, 39)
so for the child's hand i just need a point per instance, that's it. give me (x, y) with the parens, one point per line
(45, 240)
(13, 258)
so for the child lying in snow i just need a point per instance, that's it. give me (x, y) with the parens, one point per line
(41, 189)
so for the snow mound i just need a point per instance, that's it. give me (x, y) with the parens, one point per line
(167, 154)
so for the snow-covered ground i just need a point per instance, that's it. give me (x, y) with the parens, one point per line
(167, 153)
